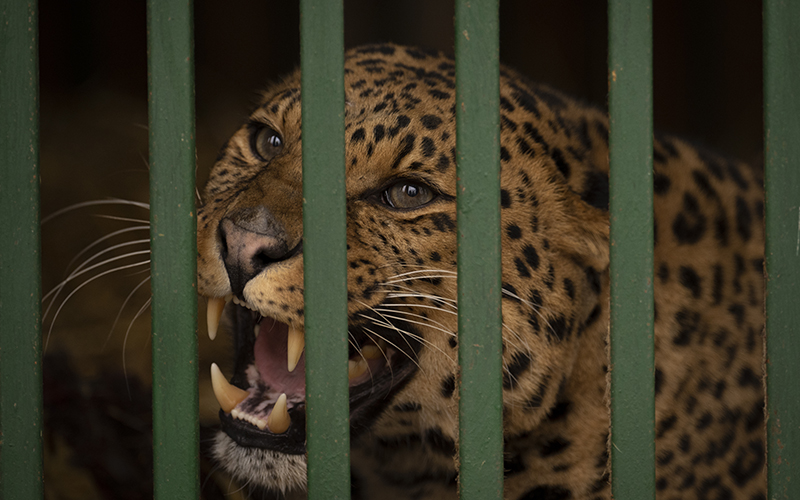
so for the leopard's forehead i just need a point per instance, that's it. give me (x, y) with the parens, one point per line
(398, 80)
(371, 72)
(399, 114)
(381, 81)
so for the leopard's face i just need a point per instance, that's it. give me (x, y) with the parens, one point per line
(401, 236)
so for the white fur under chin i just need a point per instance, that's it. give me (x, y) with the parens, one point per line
(267, 468)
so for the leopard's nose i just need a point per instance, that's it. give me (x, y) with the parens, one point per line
(251, 241)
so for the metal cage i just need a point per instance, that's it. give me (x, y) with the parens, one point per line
(173, 219)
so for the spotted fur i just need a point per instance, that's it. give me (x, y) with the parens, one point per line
(400, 131)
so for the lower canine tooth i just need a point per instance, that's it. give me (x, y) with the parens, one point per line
(356, 368)
(213, 314)
(295, 345)
(278, 420)
(227, 395)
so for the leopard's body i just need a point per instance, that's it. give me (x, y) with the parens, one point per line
(401, 234)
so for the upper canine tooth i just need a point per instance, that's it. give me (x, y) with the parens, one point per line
(213, 314)
(356, 368)
(278, 420)
(295, 345)
(371, 352)
(227, 395)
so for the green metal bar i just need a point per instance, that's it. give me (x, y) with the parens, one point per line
(173, 247)
(325, 249)
(782, 158)
(20, 271)
(479, 282)
(631, 187)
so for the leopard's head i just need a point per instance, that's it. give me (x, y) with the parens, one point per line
(401, 256)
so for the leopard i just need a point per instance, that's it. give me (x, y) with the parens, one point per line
(401, 178)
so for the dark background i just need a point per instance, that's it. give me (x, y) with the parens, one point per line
(707, 87)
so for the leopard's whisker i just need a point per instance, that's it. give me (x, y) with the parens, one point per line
(426, 270)
(79, 271)
(421, 306)
(422, 277)
(121, 308)
(125, 340)
(82, 268)
(451, 302)
(214, 468)
(122, 219)
(400, 286)
(381, 337)
(535, 308)
(73, 292)
(104, 238)
(351, 341)
(437, 300)
(454, 312)
(524, 342)
(388, 324)
(92, 203)
(397, 263)
(247, 484)
(440, 326)
(358, 350)
(448, 312)
(385, 354)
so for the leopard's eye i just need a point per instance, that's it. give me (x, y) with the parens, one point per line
(408, 194)
(265, 142)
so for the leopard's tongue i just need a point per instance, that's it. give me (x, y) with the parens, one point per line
(271, 351)
(278, 343)
(283, 340)
(279, 366)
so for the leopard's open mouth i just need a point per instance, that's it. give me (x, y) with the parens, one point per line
(263, 406)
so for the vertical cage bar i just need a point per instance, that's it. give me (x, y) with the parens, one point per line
(479, 313)
(325, 249)
(173, 248)
(782, 180)
(20, 271)
(631, 187)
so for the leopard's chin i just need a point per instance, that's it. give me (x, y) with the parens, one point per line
(267, 468)
(262, 412)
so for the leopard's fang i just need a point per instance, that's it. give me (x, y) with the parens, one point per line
(296, 342)
(228, 396)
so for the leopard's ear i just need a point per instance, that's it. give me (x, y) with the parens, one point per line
(585, 231)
